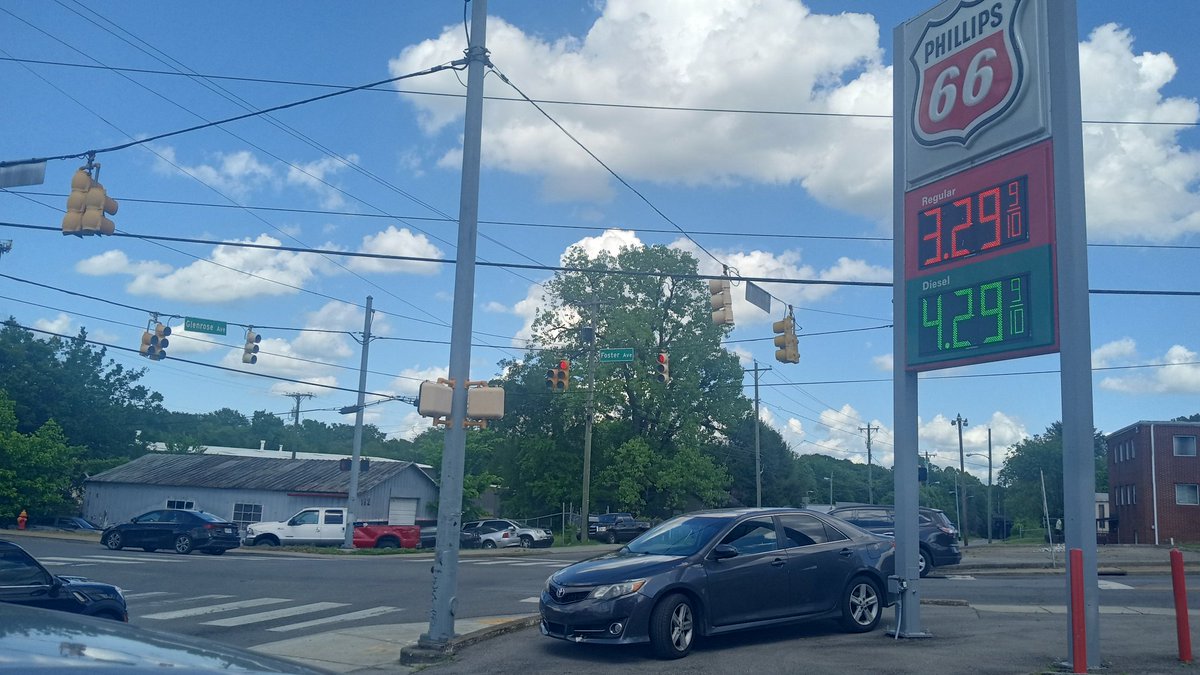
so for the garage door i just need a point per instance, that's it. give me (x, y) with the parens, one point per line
(402, 511)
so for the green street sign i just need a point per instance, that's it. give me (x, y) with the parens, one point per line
(194, 325)
(621, 355)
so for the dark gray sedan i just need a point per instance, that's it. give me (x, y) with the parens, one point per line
(713, 572)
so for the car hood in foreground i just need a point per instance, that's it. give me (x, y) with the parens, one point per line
(37, 640)
(620, 565)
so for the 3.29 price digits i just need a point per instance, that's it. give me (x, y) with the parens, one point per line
(988, 219)
(974, 316)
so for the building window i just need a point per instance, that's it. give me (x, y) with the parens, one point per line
(1185, 446)
(1133, 494)
(1187, 494)
(180, 504)
(245, 514)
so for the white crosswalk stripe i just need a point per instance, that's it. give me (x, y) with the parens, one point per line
(340, 618)
(215, 609)
(274, 614)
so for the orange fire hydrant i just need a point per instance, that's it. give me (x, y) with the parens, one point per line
(22, 519)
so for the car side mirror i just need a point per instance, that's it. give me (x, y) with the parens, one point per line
(724, 551)
(133, 519)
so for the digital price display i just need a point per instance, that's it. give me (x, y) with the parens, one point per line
(985, 220)
(979, 263)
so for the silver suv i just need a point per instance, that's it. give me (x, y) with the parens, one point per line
(517, 534)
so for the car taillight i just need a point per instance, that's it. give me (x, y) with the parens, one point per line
(947, 530)
(209, 526)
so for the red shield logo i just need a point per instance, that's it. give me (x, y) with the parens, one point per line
(970, 68)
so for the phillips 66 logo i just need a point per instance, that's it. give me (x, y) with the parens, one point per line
(970, 69)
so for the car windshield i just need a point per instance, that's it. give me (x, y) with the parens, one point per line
(682, 536)
(209, 517)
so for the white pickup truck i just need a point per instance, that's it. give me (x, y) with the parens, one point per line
(322, 526)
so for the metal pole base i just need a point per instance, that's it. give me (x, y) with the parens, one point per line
(426, 652)
(912, 635)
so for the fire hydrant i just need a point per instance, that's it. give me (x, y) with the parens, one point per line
(22, 519)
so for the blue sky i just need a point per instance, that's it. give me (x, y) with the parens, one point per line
(782, 196)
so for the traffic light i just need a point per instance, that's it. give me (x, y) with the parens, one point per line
(86, 206)
(663, 368)
(154, 343)
(722, 301)
(559, 378)
(785, 339)
(251, 348)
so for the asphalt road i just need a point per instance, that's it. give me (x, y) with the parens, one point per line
(248, 598)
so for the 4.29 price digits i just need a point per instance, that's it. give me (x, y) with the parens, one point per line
(975, 316)
(987, 219)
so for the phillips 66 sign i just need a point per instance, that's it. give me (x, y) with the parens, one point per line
(969, 69)
(974, 66)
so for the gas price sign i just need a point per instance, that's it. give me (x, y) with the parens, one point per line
(979, 263)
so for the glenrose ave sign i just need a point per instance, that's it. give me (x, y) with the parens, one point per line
(970, 69)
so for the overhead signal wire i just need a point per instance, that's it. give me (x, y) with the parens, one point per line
(562, 102)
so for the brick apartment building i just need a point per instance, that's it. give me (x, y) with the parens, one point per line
(1154, 483)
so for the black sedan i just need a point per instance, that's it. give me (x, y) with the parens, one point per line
(182, 530)
(713, 572)
(24, 581)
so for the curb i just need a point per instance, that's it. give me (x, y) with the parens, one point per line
(417, 655)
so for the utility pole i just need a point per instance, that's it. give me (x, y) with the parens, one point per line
(587, 424)
(959, 422)
(757, 454)
(445, 561)
(296, 410)
(870, 482)
(356, 453)
(989, 496)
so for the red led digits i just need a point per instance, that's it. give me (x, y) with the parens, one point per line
(980, 221)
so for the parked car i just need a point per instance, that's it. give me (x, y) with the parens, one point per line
(326, 526)
(41, 641)
(24, 581)
(492, 535)
(937, 538)
(70, 523)
(525, 537)
(179, 529)
(713, 572)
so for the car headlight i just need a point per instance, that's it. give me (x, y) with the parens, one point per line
(613, 591)
(250, 530)
(601, 528)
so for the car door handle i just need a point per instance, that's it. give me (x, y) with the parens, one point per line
(846, 553)
(778, 562)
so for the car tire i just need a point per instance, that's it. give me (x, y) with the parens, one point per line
(269, 541)
(672, 627)
(924, 562)
(488, 543)
(611, 538)
(526, 541)
(113, 542)
(387, 542)
(183, 544)
(149, 549)
(862, 606)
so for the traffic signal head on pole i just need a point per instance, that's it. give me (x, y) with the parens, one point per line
(788, 346)
(663, 368)
(155, 342)
(87, 205)
(251, 348)
(558, 378)
(722, 301)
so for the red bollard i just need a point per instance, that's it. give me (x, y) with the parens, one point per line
(1179, 585)
(1078, 619)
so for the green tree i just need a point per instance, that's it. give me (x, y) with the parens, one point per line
(39, 472)
(1029, 460)
(654, 308)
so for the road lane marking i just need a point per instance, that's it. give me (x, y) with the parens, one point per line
(1107, 585)
(274, 614)
(351, 616)
(61, 560)
(148, 594)
(533, 599)
(213, 609)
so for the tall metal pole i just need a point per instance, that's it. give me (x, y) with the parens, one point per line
(445, 562)
(356, 453)
(587, 428)
(959, 422)
(989, 485)
(757, 454)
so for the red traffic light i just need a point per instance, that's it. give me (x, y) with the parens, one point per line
(564, 364)
(662, 358)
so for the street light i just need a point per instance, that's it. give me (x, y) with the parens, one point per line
(830, 479)
(989, 483)
(961, 504)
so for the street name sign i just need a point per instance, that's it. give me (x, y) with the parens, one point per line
(194, 325)
(619, 355)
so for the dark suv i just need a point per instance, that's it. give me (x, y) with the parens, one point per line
(937, 537)
(23, 581)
